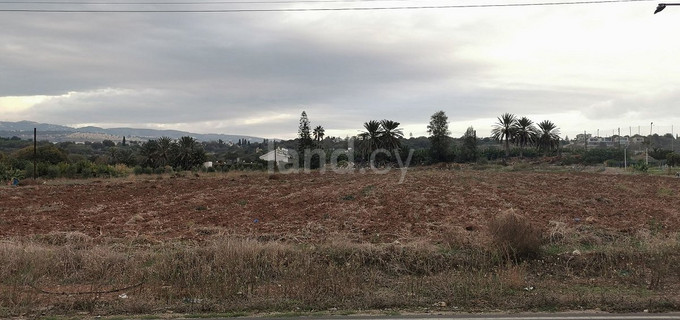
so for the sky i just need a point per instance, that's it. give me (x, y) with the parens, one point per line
(598, 67)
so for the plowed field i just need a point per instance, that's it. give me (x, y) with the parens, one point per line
(429, 204)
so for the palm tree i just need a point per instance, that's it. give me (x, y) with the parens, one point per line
(149, 152)
(391, 134)
(505, 129)
(371, 138)
(187, 153)
(548, 136)
(164, 147)
(525, 134)
(318, 133)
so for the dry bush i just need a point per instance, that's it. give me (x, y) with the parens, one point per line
(58, 238)
(559, 232)
(513, 276)
(515, 236)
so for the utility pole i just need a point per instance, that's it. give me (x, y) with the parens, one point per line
(585, 140)
(276, 163)
(35, 152)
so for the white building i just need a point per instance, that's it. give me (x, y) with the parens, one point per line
(279, 155)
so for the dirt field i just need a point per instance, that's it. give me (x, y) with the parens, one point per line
(430, 204)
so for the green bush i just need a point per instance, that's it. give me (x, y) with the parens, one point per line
(53, 171)
(137, 170)
(600, 155)
(641, 166)
(673, 159)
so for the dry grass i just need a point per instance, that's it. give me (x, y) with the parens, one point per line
(515, 235)
(66, 273)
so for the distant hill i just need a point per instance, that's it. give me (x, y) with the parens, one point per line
(29, 125)
(59, 133)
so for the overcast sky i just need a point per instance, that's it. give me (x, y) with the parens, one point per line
(584, 67)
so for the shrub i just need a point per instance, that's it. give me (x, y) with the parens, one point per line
(641, 166)
(673, 159)
(515, 236)
(53, 171)
(137, 170)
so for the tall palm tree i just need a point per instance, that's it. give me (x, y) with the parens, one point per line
(525, 134)
(371, 138)
(164, 151)
(149, 152)
(548, 136)
(184, 151)
(505, 129)
(318, 133)
(391, 133)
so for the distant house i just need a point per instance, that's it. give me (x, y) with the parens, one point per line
(623, 141)
(279, 155)
(593, 140)
(581, 137)
(637, 139)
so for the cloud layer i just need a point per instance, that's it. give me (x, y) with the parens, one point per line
(253, 73)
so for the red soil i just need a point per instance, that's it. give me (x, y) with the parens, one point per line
(429, 204)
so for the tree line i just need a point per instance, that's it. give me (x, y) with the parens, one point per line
(512, 136)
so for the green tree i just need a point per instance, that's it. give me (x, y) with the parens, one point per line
(440, 142)
(504, 130)
(391, 134)
(659, 153)
(150, 154)
(164, 151)
(125, 156)
(371, 138)
(468, 152)
(108, 143)
(548, 136)
(673, 159)
(45, 153)
(187, 153)
(318, 133)
(304, 136)
(525, 134)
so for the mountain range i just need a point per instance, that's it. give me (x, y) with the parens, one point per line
(59, 133)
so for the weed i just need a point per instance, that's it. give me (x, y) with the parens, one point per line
(665, 192)
(515, 235)
(366, 191)
(348, 197)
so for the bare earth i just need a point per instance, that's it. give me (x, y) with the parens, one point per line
(430, 204)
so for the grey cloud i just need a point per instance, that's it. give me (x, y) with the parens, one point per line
(344, 70)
